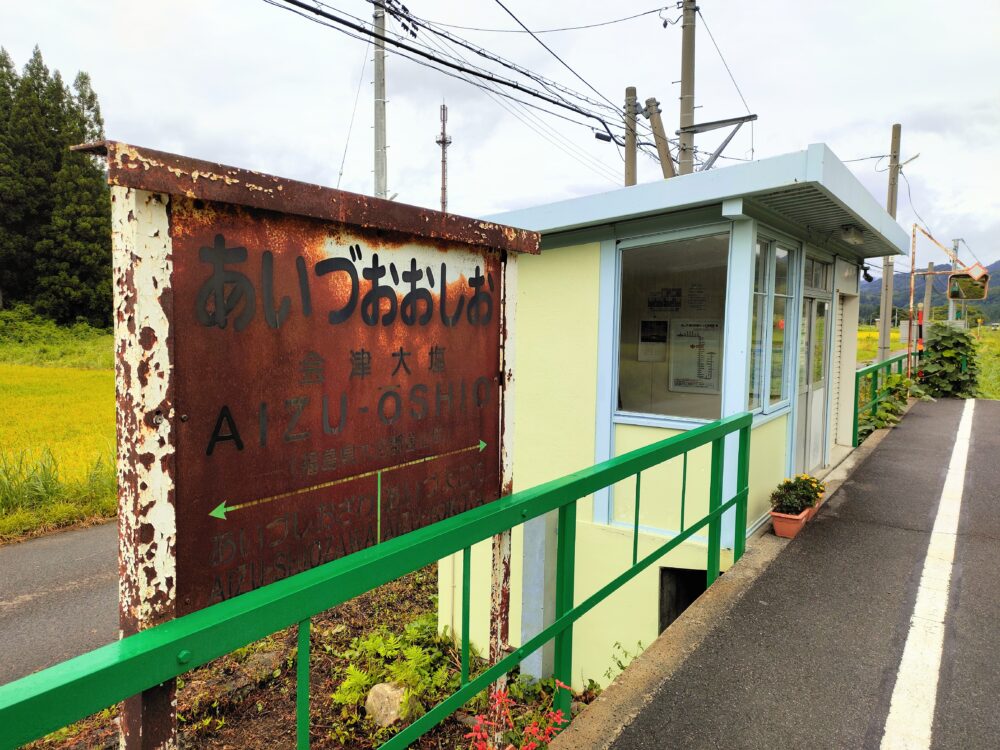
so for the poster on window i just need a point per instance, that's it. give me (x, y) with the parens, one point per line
(653, 340)
(695, 356)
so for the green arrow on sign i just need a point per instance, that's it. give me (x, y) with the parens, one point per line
(222, 508)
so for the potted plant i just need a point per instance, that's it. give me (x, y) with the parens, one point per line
(793, 503)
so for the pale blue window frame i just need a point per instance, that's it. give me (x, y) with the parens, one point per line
(646, 419)
(762, 377)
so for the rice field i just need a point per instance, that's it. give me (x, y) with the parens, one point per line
(70, 412)
(57, 425)
(868, 343)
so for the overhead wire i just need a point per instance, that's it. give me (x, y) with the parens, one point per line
(554, 54)
(541, 80)
(731, 77)
(538, 125)
(553, 31)
(973, 252)
(909, 200)
(354, 111)
(300, 8)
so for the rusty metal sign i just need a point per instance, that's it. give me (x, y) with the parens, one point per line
(302, 373)
(334, 385)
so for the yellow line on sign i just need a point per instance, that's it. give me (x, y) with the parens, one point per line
(222, 509)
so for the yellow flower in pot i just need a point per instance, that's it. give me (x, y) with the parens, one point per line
(793, 503)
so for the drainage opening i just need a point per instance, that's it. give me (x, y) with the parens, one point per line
(679, 587)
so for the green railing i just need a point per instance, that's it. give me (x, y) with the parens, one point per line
(871, 386)
(67, 692)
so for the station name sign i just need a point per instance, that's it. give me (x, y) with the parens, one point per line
(336, 370)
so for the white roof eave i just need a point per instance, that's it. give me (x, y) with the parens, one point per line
(817, 165)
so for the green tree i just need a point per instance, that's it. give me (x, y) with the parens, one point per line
(34, 138)
(10, 187)
(73, 256)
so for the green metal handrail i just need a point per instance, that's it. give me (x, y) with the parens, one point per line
(878, 375)
(71, 690)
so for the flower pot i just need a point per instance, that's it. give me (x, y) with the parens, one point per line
(811, 512)
(788, 526)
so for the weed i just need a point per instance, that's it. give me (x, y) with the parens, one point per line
(28, 339)
(34, 495)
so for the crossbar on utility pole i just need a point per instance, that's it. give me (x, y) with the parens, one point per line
(630, 145)
(885, 301)
(685, 147)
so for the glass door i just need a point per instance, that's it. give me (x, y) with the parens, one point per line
(810, 428)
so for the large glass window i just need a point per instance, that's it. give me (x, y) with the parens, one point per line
(673, 301)
(770, 332)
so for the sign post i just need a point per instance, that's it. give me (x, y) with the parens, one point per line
(301, 373)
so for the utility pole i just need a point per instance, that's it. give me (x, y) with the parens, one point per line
(381, 181)
(660, 137)
(928, 290)
(885, 306)
(444, 140)
(630, 145)
(954, 256)
(685, 148)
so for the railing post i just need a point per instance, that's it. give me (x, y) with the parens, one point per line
(714, 501)
(466, 589)
(635, 527)
(742, 489)
(857, 396)
(565, 566)
(302, 687)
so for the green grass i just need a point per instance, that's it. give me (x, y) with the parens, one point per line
(57, 425)
(989, 364)
(26, 339)
(35, 497)
(989, 355)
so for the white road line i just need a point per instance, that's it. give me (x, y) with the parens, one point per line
(911, 712)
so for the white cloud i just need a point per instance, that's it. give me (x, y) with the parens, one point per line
(249, 84)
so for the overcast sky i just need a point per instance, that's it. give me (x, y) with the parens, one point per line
(248, 84)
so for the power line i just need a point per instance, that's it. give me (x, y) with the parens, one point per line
(546, 83)
(552, 52)
(553, 31)
(909, 200)
(866, 158)
(556, 139)
(731, 76)
(962, 240)
(354, 111)
(362, 29)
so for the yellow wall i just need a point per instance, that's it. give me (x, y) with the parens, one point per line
(554, 434)
(767, 465)
(555, 394)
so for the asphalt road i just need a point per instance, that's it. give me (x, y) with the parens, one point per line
(809, 656)
(58, 598)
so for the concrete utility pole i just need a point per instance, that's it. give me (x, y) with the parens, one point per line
(685, 149)
(885, 306)
(630, 145)
(660, 137)
(928, 290)
(381, 180)
(954, 266)
(444, 140)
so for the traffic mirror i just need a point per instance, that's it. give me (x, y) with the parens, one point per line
(962, 286)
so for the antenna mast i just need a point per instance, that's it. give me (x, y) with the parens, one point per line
(444, 140)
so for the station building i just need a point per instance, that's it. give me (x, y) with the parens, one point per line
(654, 309)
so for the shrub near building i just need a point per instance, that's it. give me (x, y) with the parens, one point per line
(950, 367)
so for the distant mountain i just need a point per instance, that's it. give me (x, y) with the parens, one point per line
(870, 291)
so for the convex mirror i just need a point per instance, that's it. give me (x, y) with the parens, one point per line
(961, 286)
